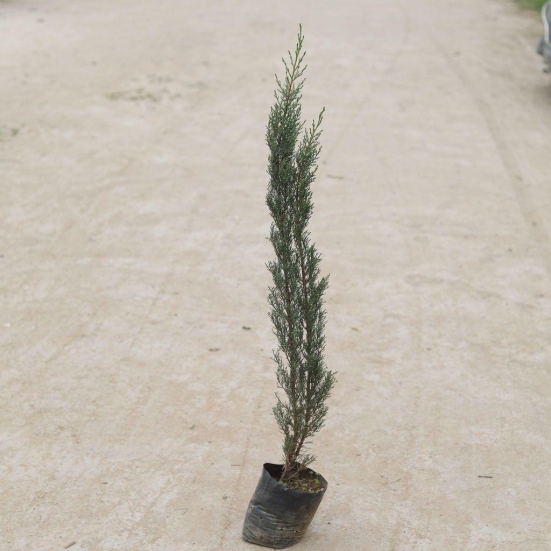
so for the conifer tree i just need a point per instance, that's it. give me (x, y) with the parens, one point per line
(296, 297)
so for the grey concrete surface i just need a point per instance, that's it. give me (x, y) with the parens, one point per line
(135, 410)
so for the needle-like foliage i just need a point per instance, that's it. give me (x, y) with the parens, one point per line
(296, 297)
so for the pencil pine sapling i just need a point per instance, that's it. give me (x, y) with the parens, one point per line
(287, 496)
(296, 296)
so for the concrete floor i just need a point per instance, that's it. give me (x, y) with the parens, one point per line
(135, 410)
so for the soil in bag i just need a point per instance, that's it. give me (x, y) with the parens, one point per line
(279, 515)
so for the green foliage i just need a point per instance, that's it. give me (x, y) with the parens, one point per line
(533, 4)
(296, 297)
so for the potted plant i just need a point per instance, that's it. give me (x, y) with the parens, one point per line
(288, 495)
